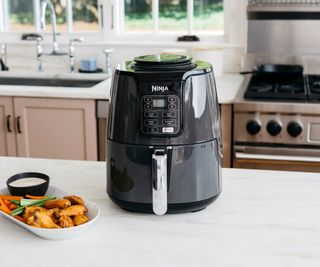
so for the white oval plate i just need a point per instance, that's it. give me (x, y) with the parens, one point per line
(63, 233)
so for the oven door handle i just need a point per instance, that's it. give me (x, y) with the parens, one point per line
(241, 155)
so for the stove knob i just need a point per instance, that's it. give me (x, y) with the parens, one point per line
(274, 127)
(294, 129)
(253, 127)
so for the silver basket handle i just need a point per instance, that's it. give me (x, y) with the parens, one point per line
(159, 182)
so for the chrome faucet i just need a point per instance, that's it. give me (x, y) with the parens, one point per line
(39, 49)
(4, 53)
(3, 58)
(44, 5)
(39, 53)
(108, 52)
(72, 51)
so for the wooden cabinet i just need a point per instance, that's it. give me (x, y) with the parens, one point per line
(54, 128)
(7, 133)
(226, 129)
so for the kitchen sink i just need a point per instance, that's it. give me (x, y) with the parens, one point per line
(48, 82)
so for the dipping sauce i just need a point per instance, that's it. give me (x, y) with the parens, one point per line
(25, 182)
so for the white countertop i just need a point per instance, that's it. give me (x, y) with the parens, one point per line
(227, 87)
(99, 91)
(262, 218)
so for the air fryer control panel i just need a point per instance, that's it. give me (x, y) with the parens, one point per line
(160, 114)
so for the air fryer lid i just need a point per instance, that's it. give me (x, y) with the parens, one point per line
(163, 63)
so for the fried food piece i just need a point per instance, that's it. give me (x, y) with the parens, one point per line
(72, 211)
(29, 211)
(41, 219)
(65, 222)
(57, 203)
(80, 219)
(52, 214)
(75, 200)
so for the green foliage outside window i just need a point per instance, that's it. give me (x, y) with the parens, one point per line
(21, 11)
(208, 14)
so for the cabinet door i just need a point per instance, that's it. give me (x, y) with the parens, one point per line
(7, 135)
(56, 128)
(226, 129)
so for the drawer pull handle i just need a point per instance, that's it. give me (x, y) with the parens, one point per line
(18, 125)
(8, 124)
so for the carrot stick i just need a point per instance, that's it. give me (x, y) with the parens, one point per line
(11, 198)
(7, 202)
(20, 218)
(4, 208)
(35, 197)
(13, 206)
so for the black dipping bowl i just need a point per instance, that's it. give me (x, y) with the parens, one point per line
(34, 190)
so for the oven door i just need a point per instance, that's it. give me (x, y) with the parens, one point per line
(275, 158)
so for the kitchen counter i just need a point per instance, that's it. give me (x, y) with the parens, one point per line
(99, 91)
(227, 87)
(262, 218)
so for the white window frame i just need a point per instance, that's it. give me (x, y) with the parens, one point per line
(119, 34)
(65, 36)
(111, 25)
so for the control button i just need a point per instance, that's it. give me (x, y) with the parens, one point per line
(151, 114)
(152, 130)
(274, 127)
(294, 129)
(147, 99)
(172, 99)
(151, 122)
(147, 106)
(168, 114)
(171, 106)
(167, 129)
(169, 122)
(253, 127)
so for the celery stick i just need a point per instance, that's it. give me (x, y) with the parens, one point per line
(16, 202)
(32, 202)
(17, 211)
(28, 203)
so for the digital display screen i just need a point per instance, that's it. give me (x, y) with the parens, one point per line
(159, 103)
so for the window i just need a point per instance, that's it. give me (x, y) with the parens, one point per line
(138, 16)
(174, 16)
(72, 15)
(21, 15)
(85, 15)
(208, 16)
(122, 18)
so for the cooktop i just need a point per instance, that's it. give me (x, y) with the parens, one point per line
(298, 88)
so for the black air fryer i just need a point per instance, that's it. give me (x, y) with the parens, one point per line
(164, 147)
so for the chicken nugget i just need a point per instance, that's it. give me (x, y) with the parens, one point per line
(80, 219)
(57, 203)
(65, 222)
(72, 211)
(75, 200)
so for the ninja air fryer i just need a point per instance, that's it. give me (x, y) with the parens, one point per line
(163, 147)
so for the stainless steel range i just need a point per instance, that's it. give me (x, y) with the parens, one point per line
(277, 123)
(277, 112)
